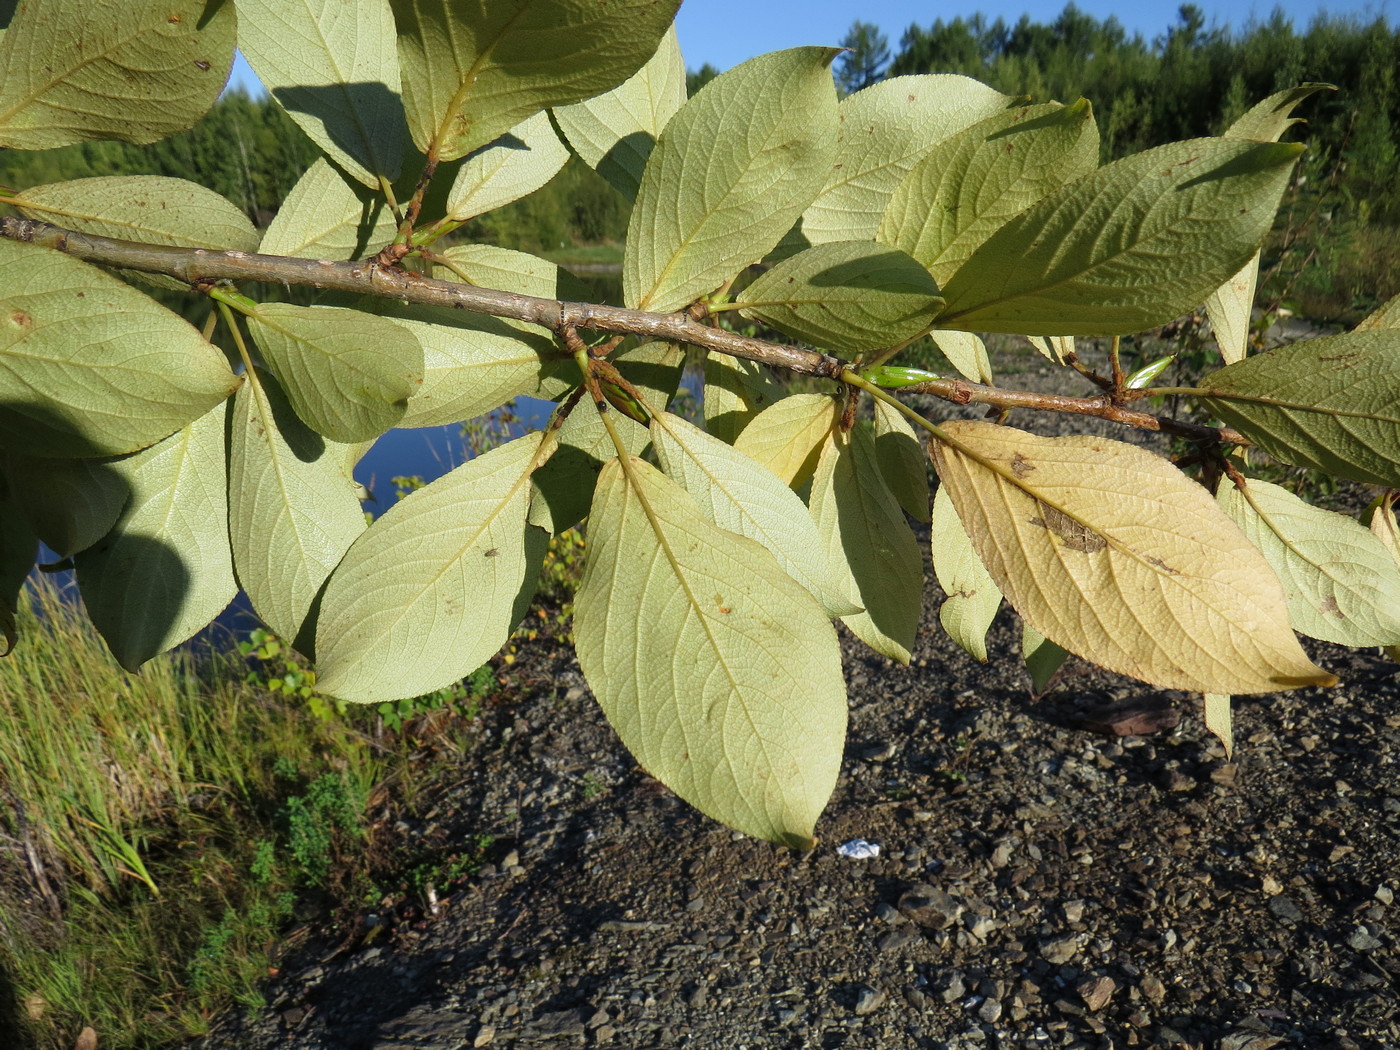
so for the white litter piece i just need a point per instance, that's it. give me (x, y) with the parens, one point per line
(859, 849)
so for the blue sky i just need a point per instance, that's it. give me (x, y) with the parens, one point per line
(726, 32)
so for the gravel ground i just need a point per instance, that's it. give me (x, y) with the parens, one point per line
(1039, 883)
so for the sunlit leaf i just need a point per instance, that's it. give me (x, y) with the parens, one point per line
(846, 295)
(332, 65)
(885, 129)
(1266, 121)
(736, 391)
(971, 184)
(327, 216)
(1387, 315)
(1126, 248)
(165, 570)
(787, 437)
(731, 173)
(1384, 526)
(972, 596)
(739, 495)
(1112, 553)
(471, 362)
(111, 69)
(866, 538)
(902, 460)
(614, 132)
(435, 586)
(472, 71)
(151, 209)
(965, 352)
(348, 374)
(720, 673)
(293, 512)
(513, 166)
(69, 503)
(91, 367)
(1218, 720)
(1340, 582)
(1331, 403)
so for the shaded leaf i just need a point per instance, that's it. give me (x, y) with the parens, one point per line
(91, 367)
(846, 295)
(614, 132)
(435, 586)
(1340, 582)
(1332, 404)
(293, 512)
(348, 374)
(1387, 315)
(1112, 553)
(513, 166)
(69, 503)
(971, 184)
(165, 570)
(902, 460)
(1126, 248)
(885, 129)
(111, 69)
(731, 173)
(742, 497)
(1042, 656)
(718, 671)
(327, 216)
(736, 391)
(471, 72)
(867, 540)
(787, 437)
(972, 597)
(333, 66)
(18, 549)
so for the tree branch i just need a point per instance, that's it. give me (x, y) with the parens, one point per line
(202, 267)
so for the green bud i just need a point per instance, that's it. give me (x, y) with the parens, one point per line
(1148, 372)
(893, 376)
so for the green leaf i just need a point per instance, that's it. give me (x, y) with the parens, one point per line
(615, 132)
(970, 185)
(1042, 656)
(718, 671)
(111, 69)
(327, 216)
(1332, 404)
(165, 570)
(731, 173)
(147, 208)
(866, 539)
(1387, 315)
(965, 352)
(91, 367)
(471, 72)
(1340, 582)
(487, 266)
(1230, 307)
(902, 460)
(972, 597)
(736, 391)
(846, 295)
(332, 65)
(787, 437)
(740, 496)
(471, 362)
(293, 512)
(1112, 553)
(1217, 707)
(69, 503)
(435, 586)
(348, 374)
(885, 130)
(513, 166)
(1127, 248)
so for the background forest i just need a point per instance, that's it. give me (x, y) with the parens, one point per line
(1335, 252)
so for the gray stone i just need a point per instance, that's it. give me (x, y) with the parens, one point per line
(1361, 940)
(896, 939)
(1285, 909)
(868, 1000)
(1060, 950)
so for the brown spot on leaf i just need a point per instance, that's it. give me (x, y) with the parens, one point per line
(1160, 564)
(719, 604)
(1330, 606)
(1021, 466)
(1074, 534)
(493, 553)
(20, 319)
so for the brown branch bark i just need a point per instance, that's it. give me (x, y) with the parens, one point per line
(202, 267)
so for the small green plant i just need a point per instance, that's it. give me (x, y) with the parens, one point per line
(321, 824)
